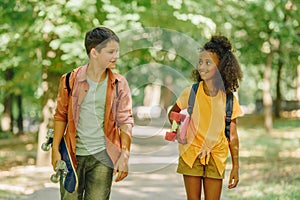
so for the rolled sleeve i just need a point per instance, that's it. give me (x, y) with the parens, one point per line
(61, 111)
(124, 105)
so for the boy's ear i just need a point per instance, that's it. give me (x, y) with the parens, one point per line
(93, 52)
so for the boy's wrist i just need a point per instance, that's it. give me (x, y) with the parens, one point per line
(125, 151)
(125, 148)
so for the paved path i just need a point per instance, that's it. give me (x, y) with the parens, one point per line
(152, 175)
(162, 184)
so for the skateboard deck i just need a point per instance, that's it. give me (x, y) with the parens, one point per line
(178, 128)
(65, 170)
(70, 181)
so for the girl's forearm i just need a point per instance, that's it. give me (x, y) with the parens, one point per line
(234, 151)
(234, 144)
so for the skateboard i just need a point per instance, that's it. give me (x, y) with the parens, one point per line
(65, 172)
(178, 128)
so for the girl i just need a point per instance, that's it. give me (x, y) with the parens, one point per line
(202, 160)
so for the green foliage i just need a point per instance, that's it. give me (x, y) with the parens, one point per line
(40, 40)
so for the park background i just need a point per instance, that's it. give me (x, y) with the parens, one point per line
(160, 40)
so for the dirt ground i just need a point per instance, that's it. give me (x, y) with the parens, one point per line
(18, 173)
(17, 151)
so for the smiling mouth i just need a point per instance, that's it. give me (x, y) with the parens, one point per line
(203, 73)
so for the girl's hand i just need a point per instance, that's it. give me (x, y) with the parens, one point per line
(234, 178)
(206, 148)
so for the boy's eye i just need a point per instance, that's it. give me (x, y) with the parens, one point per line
(200, 62)
(208, 62)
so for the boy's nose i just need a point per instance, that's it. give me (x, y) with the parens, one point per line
(116, 55)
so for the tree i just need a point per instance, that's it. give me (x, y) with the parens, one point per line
(41, 40)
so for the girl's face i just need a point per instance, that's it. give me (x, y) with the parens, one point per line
(208, 65)
(108, 55)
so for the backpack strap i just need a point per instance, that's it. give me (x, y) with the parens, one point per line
(192, 98)
(117, 88)
(229, 104)
(117, 95)
(68, 82)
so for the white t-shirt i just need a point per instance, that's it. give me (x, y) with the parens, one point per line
(90, 137)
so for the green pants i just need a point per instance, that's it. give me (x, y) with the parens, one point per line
(95, 173)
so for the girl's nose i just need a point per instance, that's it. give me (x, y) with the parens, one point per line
(201, 66)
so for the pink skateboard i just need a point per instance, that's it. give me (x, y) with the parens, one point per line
(178, 128)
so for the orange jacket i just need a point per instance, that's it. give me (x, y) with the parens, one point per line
(118, 110)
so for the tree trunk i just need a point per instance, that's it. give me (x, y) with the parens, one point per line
(20, 114)
(48, 103)
(278, 91)
(43, 158)
(298, 83)
(7, 117)
(267, 98)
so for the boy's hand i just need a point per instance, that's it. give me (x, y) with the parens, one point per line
(121, 167)
(56, 156)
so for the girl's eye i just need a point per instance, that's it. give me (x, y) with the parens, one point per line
(207, 62)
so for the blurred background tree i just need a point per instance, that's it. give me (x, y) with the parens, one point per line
(41, 40)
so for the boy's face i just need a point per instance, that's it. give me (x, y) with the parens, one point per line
(108, 55)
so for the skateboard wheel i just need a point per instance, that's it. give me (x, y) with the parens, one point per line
(54, 178)
(61, 165)
(170, 136)
(50, 132)
(45, 147)
(175, 116)
(64, 173)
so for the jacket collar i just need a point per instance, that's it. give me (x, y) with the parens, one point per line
(82, 75)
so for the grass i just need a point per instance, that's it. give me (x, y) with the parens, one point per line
(269, 162)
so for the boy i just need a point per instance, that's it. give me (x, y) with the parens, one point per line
(96, 118)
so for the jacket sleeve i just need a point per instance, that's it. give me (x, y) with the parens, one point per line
(124, 104)
(61, 112)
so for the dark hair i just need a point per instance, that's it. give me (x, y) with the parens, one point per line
(99, 36)
(228, 66)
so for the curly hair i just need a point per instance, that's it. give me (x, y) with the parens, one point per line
(228, 66)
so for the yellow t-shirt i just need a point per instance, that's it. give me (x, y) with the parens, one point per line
(207, 122)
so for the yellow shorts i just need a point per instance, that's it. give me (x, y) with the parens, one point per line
(210, 170)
